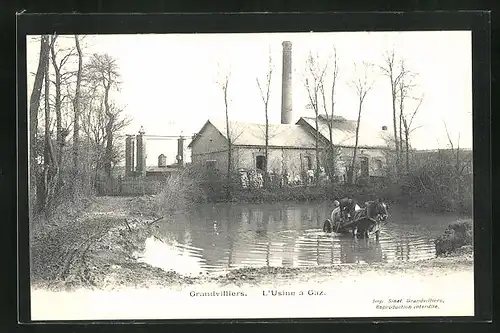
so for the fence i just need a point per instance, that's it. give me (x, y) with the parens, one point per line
(128, 186)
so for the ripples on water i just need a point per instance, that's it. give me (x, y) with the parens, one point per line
(217, 238)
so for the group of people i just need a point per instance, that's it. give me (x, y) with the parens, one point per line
(344, 209)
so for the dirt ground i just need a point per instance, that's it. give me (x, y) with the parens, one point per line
(96, 249)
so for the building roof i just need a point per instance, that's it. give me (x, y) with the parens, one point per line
(301, 134)
(344, 132)
(252, 134)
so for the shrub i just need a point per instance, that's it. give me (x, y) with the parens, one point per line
(454, 237)
(180, 191)
(439, 181)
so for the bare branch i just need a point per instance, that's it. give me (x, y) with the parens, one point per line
(414, 128)
(448, 135)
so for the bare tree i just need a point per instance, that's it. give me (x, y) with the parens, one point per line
(362, 85)
(103, 70)
(76, 119)
(48, 161)
(314, 79)
(265, 92)
(458, 166)
(404, 93)
(395, 75)
(223, 82)
(34, 107)
(407, 125)
(61, 132)
(331, 161)
(94, 125)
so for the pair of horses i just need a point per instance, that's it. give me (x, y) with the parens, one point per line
(362, 223)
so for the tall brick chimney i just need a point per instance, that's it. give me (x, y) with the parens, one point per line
(180, 151)
(286, 88)
(141, 153)
(129, 156)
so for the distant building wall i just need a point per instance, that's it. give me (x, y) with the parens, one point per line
(376, 160)
(220, 159)
(209, 141)
(212, 146)
(292, 160)
(281, 160)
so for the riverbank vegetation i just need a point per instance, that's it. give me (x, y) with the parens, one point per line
(433, 183)
(75, 132)
(75, 127)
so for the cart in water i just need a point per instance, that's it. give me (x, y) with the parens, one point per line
(365, 222)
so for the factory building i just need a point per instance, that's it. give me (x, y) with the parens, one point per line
(291, 148)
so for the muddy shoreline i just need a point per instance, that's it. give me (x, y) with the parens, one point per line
(97, 251)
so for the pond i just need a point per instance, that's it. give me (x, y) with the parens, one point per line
(215, 238)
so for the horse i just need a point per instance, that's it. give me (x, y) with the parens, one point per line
(368, 219)
(363, 222)
(344, 209)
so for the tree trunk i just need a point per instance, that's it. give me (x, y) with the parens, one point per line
(109, 131)
(229, 146)
(59, 136)
(33, 123)
(109, 147)
(396, 143)
(316, 172)
(44, 200)
(353, 165)
(401, 131)
(331, 157)
(266, 171)
(76, 121)
(407, 151)
(401, 108)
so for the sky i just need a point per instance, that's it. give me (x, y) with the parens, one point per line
(169, 81)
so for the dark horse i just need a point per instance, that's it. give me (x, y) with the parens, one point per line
(363, 221)
(368, 219)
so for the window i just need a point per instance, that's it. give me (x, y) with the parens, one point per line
(308, 162)
(260, 162)
(211, 165)
(377, 164)
(364, 166)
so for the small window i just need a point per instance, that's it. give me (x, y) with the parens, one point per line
(260, 162)
(211, 165)
(377, 164)
(364, 166)
(308, 162)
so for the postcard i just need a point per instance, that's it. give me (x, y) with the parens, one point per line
(250, 175)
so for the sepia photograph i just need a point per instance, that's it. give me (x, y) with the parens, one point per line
(250, 175)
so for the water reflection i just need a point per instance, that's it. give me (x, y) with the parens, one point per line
(225, 236)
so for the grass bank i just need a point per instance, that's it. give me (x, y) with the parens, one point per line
(97, 248)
